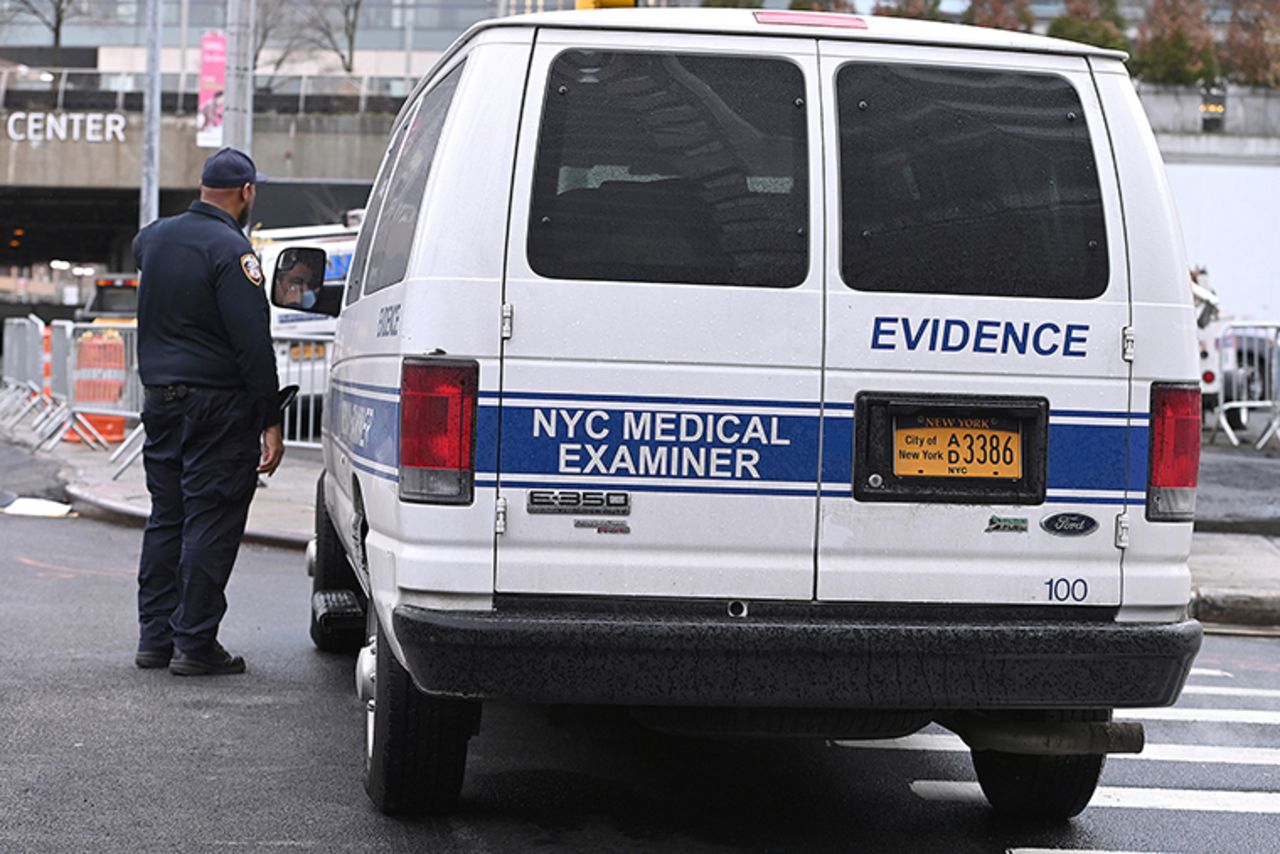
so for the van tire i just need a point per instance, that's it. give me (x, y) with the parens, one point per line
(1044, 788)
(416, 745)
(333, 571)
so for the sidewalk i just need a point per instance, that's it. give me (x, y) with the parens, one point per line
(281, 513)
(1235, 559)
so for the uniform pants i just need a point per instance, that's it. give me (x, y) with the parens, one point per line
(201, 457)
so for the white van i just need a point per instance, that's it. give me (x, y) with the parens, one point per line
(765, 372)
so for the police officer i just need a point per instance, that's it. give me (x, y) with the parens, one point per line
(206, 360)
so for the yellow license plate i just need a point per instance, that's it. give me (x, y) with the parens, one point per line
(957, 446)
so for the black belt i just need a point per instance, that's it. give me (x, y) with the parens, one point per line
(167, 393)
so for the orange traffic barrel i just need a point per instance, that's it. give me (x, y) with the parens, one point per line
(100, 378)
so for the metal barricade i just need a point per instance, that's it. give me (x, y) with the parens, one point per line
(103, 386)
(304, 361)
(15, 342)
(28, 364)
(1249, 370)
(61, 419)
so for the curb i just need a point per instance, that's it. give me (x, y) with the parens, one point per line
(1261, 527)
(279, 539)
(1236, 606)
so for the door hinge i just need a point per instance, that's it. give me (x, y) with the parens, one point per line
(508, 313)
(1122, 531)
(500, 517)
(1127, 343)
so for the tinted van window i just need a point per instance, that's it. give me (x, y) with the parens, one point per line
(965, 181)
(355, 279)
(661, 167)
(389, 257)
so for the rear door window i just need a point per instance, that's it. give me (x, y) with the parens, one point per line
(966, 181)
(659, 167)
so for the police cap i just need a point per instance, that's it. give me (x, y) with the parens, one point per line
(230, 167)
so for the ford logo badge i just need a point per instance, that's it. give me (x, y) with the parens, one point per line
(1069, 524)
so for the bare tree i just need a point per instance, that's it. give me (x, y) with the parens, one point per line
(1091, 22)
(1175, 44)
(844, 6)
(52, 15)
(276, 25)
(333, 25)
(929, 10)
(1251, 54)
(1001, 14)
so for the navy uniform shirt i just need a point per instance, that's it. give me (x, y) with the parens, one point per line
(202, 314)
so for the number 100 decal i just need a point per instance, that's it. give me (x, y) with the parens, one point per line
(1067, 589)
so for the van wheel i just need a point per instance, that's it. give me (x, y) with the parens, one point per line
(415, 744)
(333, 572)
(1047, 788)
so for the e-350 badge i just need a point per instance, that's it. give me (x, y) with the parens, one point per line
(579, 501)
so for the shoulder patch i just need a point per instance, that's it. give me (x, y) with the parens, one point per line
(252, 267)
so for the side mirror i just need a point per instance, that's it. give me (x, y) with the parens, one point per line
(298, 283)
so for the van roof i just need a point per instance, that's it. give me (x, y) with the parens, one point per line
(782, 22)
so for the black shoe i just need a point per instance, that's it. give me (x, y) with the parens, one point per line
(150, 659)
(217, 662)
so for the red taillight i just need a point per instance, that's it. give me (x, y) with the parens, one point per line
(1208, 377)
(1175, 452)
(437, 430)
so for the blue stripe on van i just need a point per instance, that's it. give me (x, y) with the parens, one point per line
(1092, 457)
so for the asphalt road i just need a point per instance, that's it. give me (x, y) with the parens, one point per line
(98, 756)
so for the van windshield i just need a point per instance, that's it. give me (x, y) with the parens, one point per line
(963, 181)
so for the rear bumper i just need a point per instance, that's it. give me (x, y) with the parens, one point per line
(795, 657)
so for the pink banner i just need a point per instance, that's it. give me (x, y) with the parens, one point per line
(213, 73)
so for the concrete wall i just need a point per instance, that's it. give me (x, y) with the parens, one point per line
(1171, 109)
(305, 147)
(1176, 109)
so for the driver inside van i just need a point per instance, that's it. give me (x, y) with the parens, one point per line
(300, 284)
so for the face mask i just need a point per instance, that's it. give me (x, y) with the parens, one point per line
(308, 298)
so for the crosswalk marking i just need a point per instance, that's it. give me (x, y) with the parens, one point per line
(1209, 672)
(1220, 716)
(1226, 691)
(1126, 797)
(1071, 851)
(1199, 753)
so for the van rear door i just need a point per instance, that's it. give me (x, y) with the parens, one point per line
(978, 426)
(661, 383)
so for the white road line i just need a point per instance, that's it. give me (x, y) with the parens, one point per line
(1126, 797)
(1220, 716)
(1071, 851)
(1220, 691)
(1198, 753)
(1209, 672)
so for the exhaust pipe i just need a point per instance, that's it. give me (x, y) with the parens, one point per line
(1045, 738)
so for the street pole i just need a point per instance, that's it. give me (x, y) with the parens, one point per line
(407, 10)
(237, 124)
(184, 21)
(149, 201)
